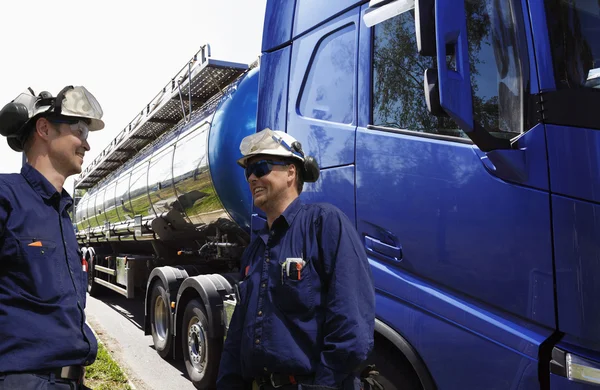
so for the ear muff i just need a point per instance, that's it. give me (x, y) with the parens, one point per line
(15, 144)
(12, 118)
(311, 169)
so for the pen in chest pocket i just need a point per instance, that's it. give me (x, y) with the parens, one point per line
(293, 268)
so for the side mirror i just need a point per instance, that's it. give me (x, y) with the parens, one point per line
(432, 93)
(453, 68)
(425, 27)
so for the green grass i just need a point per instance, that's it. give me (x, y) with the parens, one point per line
(105, 373)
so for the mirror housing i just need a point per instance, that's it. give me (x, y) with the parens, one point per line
(432, 93)
(425, 27)
(449, 92)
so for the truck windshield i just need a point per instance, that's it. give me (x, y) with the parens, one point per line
(574, 27)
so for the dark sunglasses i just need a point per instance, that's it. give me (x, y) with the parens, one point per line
(262, 167)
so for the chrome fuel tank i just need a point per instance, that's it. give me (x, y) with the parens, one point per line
(185, 181)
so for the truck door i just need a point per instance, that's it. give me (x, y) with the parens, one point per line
(459, 239)
(322, 104)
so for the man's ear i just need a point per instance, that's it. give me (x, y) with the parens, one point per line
(42, 128)
(291, 171)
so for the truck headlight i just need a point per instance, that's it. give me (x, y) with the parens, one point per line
(583, 370)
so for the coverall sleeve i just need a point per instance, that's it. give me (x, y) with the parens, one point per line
(230, 368)
(350, 300)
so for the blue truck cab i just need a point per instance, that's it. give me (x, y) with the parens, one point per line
(461, 138)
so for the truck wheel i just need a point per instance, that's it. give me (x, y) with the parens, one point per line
(161, 321)
(200, 353)
(395, 371)
(93, 288)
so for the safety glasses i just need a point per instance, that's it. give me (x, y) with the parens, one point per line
(262, 167)
(80, 128)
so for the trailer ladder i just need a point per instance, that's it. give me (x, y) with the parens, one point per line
(195, 84)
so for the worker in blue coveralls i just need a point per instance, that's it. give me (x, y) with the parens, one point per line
(306, 314)
(44, 339)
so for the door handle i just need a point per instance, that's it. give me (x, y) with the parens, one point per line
(389, 251)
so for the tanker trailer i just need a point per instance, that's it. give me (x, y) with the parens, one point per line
(166, 211)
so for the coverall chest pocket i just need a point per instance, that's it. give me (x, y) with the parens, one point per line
(294, 292)
(39, 269)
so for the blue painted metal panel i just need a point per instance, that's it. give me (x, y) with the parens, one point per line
(234, 119)
(273, 89)
(574, 156)
(458, 225)
(332, 144)
(543, 54)
(577, 251)
(310, 13)
(463, 346)
(335, 186)
(277, 28)
(526, 164)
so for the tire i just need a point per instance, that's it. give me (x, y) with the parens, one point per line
(201, 354)
(93, 288)
(395, 371)
(161, 321)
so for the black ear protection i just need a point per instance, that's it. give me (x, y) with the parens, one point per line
(13, 120)
(14, 117)
(311, 171)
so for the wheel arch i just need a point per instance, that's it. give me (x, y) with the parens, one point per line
(210, 289)
(171, 278)
(404, 347)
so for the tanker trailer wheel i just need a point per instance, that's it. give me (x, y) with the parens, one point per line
(395, 371)
(200, 353)
(161, 321)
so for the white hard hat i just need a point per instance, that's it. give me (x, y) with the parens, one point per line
(79, 102)
(272, 143)
(71, 101)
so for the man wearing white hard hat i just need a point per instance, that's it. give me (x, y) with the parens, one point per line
(306, 312)
(44, 339)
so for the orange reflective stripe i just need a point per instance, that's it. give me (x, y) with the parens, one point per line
(37, 243)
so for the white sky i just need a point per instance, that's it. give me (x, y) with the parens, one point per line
(124, 52)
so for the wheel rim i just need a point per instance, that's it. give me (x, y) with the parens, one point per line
(160, 318)
(197, 346)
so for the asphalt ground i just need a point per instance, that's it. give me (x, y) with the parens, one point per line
(119, 324)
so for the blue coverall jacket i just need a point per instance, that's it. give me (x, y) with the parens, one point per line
(319, 322)
(42, 278)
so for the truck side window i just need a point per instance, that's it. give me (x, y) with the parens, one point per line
(328, 92)
(496, 72)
